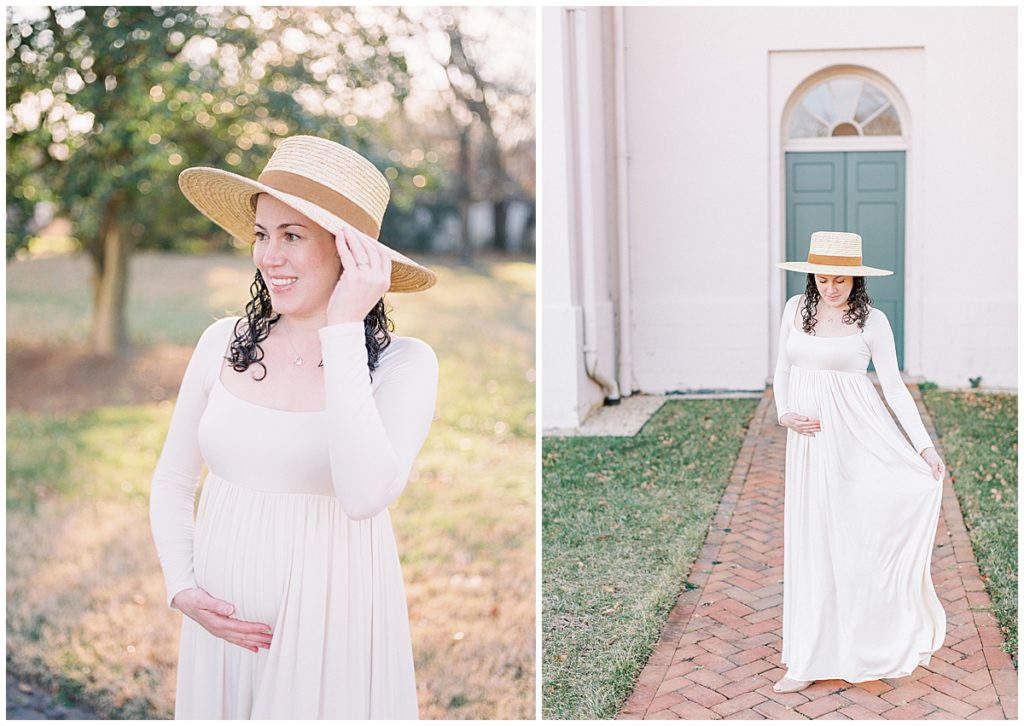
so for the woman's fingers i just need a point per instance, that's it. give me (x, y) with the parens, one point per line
(387, 264)
(252, 644)
(244, 628)
(244, 633)
(363, 252)
(345, 252)
(804, 425)
(376, 259)
(374, 252)
(259, 641)
(366, 253)
(214, 616)
(355, 248)
(385, 258)
(809, 427)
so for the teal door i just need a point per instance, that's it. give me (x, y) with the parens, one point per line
(851, 191)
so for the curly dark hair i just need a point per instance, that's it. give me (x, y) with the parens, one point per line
(858, 300)
(260, 317)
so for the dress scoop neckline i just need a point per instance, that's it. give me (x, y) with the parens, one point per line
(260, 406)
(828, 337)
(231, 394)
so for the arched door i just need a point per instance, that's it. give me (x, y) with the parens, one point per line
(848, 189)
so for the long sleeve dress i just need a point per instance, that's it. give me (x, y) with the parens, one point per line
(861, 510)
(293, 529)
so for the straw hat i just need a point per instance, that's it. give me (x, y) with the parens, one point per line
(327, 182)
(834, 253)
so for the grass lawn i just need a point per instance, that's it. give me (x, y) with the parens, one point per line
(85, 597)
(623, 520)
(979, 441)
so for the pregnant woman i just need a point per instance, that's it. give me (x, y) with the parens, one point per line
(308, 415)
(862, 504)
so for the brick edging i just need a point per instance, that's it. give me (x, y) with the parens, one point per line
(1000, 665)
(657, 665)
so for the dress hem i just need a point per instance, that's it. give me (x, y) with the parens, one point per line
(924, 660)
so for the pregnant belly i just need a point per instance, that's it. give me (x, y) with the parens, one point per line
(243, 546)
(803, 392)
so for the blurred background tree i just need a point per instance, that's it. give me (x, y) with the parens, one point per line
(491, 115)
(107, 105)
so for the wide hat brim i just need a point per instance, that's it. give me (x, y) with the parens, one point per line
(857, 271)
(225, 198)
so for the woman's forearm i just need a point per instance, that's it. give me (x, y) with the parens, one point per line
(375, 429)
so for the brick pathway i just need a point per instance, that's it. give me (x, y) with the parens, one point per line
(719, 653)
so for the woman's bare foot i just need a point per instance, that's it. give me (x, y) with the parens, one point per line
(788, 685)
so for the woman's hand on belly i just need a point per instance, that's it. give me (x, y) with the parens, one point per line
(215, 616)
(801, 424)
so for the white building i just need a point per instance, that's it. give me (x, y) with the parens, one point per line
(687, 150)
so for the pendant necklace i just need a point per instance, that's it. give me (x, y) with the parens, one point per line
(298, 358)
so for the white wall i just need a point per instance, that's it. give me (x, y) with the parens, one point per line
(970, 301)
(568, 393)
(703, 227)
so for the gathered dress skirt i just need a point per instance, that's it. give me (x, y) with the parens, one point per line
(861, 512)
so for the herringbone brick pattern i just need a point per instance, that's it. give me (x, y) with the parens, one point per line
(719, 653)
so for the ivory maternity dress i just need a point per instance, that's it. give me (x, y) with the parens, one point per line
(293, 530)
(861, 510)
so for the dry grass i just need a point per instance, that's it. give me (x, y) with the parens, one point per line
(85, 596)
(85, 611)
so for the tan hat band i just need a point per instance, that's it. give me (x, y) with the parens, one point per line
(322, 196)
(841, 260)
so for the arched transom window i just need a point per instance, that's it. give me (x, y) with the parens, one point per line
(844, 106)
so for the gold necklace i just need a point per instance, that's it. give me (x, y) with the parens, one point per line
(298, 358)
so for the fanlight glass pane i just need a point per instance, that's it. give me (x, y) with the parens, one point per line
(819, 102)
(886, 123)
(844, 104)
(845, 94)
(871, 100)
(806, 126)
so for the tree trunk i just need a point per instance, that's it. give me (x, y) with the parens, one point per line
(465, 243)
(110, 284)
(500, 225)
(528, 237)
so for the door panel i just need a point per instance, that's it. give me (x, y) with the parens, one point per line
(875, 210)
